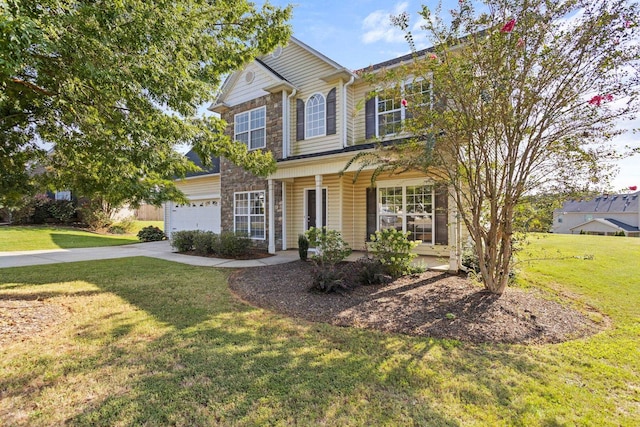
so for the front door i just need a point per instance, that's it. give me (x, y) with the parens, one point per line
(311, 208)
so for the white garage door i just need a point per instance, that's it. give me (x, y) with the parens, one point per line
(197, 215)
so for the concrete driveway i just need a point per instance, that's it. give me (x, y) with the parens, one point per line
(161, 250)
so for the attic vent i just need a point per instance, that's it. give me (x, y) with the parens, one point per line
(276, 53)
(249, 76)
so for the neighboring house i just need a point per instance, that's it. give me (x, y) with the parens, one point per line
(608, 214)
(314, 115)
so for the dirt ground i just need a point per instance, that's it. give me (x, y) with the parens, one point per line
(435, 304)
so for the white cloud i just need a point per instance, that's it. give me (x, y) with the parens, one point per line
(377, 25)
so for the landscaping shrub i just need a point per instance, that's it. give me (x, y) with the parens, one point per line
(393, 249)
(40, 207)
(230, 244)
(123, 226)
(469, 258)
(93, 215)
(328, 280)
(150, 234)
(330, 250)
(371, 272)
(303, 247)
(182, 241)
(204, 242)
(329, 244)
(62, 211)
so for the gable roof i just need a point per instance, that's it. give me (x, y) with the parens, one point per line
(609, 222)
(214, 168)
(604, 203)
(281, 82)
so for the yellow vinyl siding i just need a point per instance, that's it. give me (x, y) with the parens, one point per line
(357, 116)
(200, 186)
(243, 91)
(303, 69)
(296, 192)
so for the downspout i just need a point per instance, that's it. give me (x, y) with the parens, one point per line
(344, 110)
(287, 137)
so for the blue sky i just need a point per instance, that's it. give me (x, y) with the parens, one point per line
(357, 33)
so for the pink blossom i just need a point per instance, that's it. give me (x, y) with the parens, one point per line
(599, 99)
(433, 56)
(508, 27)
(520, 43)
(404, 102)
(627, 24)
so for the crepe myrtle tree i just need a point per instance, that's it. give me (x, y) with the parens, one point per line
(525, 94)
(114, 86)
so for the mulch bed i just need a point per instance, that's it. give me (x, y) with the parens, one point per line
(251, 254)
(433, 304)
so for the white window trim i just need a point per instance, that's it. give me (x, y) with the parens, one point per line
(403, 109)
(248, 215)
(248, 112)
(404, 184)
(306, 122)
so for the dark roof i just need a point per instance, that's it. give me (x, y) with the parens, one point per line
(604, 203)
(274, 72)
(623, 225)
(399, 59)
(213, 168)
(348, 149)
(417, 54)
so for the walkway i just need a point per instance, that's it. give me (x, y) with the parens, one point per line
(161, 250)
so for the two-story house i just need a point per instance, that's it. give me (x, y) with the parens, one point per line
(314, 115)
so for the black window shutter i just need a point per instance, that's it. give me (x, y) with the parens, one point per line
(299, 120)
(370, 118)
(331, 112)
(372, 214)
(442, 215)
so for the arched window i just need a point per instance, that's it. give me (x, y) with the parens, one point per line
(315, 113)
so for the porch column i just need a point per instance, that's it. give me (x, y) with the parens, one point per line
(454, 238)
(319, 204)
(272, 218)
(284, 216)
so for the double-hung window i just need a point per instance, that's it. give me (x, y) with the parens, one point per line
(394, 106)
(249, 128)
(408, 208)
(249, 217)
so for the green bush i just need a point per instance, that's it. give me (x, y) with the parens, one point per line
(150, 234)
(230, 244)
(469, 258)
(116, 229)
(303, 247)
(182, 241)
(329, 244)
(204, 242)
(393, 249)
(328, 280)
(63, 211)
(94, 216)
(371, 272)
(123, 226)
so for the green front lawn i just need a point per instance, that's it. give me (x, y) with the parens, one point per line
(151, 342)
(26, 238)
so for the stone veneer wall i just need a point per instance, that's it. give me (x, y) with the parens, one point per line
(234, 179)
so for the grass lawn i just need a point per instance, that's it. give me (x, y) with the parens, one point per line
(17, 238)
(156, 343)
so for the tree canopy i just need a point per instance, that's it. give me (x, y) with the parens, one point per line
(526, 94)
(114, 86)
